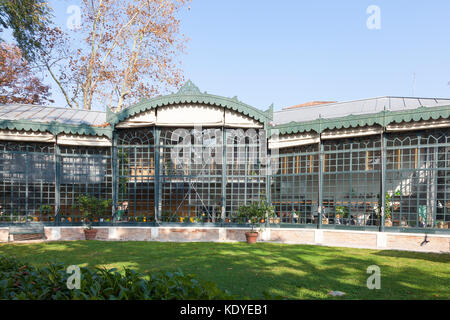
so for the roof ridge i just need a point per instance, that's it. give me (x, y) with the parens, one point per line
(52, 107)
(357, 100)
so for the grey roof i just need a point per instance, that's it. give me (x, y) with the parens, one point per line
(365, 106)
(332, 110)
(48, 114)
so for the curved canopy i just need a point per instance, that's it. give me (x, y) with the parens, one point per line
(189, 93)
(382, 118)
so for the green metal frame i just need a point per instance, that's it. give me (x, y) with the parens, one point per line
(27, 182)
(418, 179)
(84, 170)
(304, 191)
(383, 118)
(189, 93)
(56, 128)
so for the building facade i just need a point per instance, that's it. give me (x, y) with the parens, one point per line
(193, 158)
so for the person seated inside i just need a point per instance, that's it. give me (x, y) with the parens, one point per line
(294, 217)
(122, 209)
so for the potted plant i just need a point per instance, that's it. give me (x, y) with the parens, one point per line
(389, 206)
(254, 213)
(341, 212)
(90, 208)
(45, 211)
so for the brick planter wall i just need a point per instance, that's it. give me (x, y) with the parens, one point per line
(338, 238)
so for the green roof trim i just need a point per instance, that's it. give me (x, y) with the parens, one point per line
(189, 93)
(55, 128)
(383, 118)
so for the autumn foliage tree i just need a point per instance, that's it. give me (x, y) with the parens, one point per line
(18, 83)
(26, 19)
(127, 50)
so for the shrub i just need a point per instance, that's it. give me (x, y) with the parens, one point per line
(255, 212)
(91, 207)
(21, 281)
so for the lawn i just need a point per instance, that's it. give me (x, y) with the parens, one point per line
(291, 271)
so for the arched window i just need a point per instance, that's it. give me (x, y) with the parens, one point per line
(140, 136)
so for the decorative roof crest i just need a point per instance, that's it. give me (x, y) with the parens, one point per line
(189, 88)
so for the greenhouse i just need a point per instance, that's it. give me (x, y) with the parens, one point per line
(194, 158)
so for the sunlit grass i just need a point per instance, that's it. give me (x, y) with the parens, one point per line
(290, 271)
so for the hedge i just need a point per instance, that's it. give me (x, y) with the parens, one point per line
(20, 280)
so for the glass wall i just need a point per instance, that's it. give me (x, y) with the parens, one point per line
(182, 172)
(27, 182)
(191, 175)
(245, 174)
(190, 180)
(418, 179)
(84, 171)
(295, 187)
(351, 181)
(136, 175)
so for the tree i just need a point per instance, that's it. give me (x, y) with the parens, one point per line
(26, 19)
(18, 84)
(128, 51)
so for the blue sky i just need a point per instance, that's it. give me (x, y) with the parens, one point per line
(290, 52)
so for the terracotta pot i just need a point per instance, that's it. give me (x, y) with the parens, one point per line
(388, 223)
(90, 234)
(251, 236)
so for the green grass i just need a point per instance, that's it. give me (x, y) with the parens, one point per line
(291, 271)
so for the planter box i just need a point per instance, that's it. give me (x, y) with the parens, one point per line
(90, 234)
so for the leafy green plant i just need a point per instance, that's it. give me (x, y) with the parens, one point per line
(124, 171)
(255, 212)
(342, 211)
(91, 207)
(21, 281)
(388, 203)
(45, 209)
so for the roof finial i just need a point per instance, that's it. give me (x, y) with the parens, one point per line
(189, 88)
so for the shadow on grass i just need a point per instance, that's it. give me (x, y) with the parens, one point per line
(432, 257)
(291, 271)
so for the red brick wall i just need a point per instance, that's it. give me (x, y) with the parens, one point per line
(187, 234)
(75, 233)
(397, 241)
(416, 242)
(348, 238)
(292, 236)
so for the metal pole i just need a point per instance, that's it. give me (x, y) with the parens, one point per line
(115, 175)
(320, 202)
(224, 174)
(383, 179)
(157, 174)
(26, 185)
(57, 183)
(268, 173)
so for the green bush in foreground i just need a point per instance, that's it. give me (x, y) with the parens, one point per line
(19, 280)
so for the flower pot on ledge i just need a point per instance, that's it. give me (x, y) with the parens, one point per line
(251, 236)
(90, 234)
